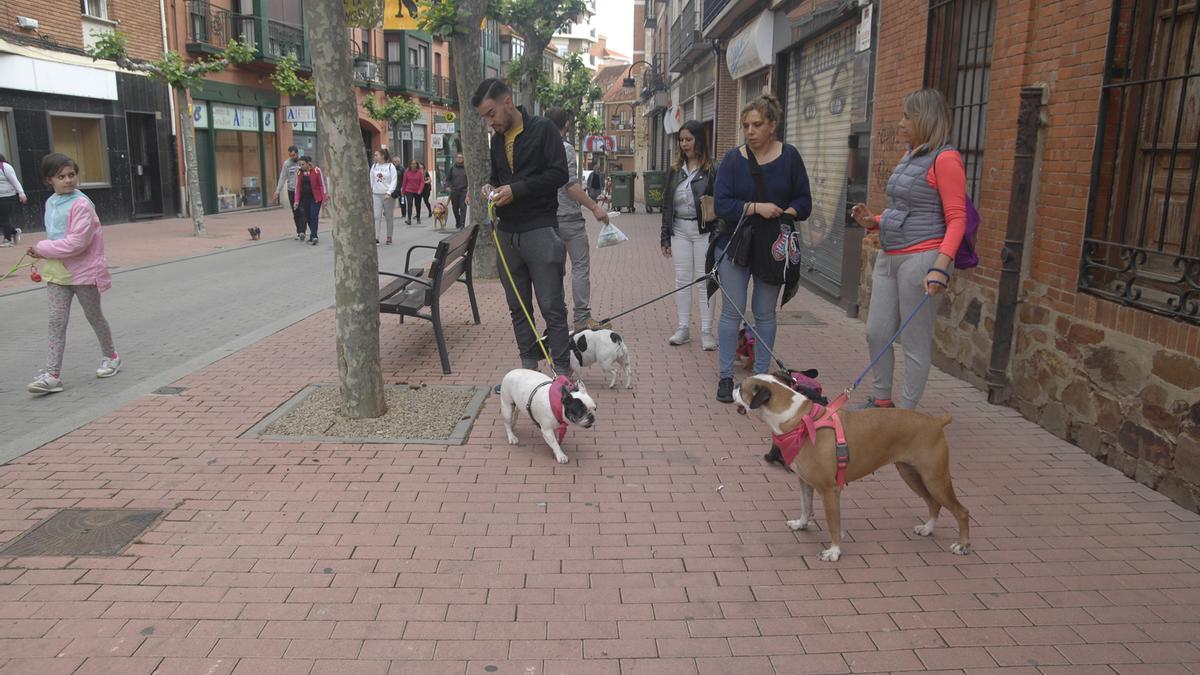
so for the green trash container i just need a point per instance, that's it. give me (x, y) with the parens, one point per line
(622, 190)
(653, 184)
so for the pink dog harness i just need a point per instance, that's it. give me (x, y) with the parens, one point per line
(556, 403)
(818, 417)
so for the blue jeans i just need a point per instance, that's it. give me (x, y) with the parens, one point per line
(310, 211)
(734, 281)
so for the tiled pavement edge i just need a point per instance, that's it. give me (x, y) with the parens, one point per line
(306, 557)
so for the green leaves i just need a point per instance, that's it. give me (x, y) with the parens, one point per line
(397, 110)
(577, 93)
(286, 80)
(364, 13)
(172, 69)
(111, 46)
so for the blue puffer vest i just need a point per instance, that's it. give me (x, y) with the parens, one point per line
(914, 211)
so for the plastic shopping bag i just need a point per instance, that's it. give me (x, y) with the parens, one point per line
(610, 235)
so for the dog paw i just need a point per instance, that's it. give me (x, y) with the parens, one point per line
(562, 457)
(512, 439)
(960, 549)
(798, 524)
(831, 554)
(924, 529)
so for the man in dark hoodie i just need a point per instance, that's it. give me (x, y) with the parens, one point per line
(528, 166)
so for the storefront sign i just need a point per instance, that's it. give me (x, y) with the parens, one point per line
(200, 115)
(599, 143)
(863, 37)
(752, 48)
(443, 127)
(234, 117)
(268, 121)
(301, 113)
(406, 135)
(673, 120)
(437, 141)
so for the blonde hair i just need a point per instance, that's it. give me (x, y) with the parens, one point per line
(765, 105)
(929, 121)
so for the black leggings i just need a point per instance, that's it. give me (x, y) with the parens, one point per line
(9, 208)
(425, 198)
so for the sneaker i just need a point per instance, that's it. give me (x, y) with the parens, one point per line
(589, 324)
(873, 403)
(6, 244)
(17, 236)
(44, 383)
(708, 342)
(313, 241)
(300, 237)
(725, 390)
(109, 367)
(681, 336)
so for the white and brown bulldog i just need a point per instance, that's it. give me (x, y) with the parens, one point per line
(552, 404)
(913, 441)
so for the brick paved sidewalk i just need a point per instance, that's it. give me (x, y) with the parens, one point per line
(305, 557)
(146, 242)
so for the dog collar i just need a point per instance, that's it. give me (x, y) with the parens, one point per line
(792, 442)
(556, 403)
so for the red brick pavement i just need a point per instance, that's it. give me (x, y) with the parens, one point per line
(306, 557)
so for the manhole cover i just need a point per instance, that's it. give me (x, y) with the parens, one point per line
(797, 318)
(83, 532)
(169, 391)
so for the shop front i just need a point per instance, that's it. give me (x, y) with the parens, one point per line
(237, 147)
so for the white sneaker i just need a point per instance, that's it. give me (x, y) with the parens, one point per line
(44, 383)
(708, 341)
(17, 236)
(681, 336)
(109, 367)
(6, 244)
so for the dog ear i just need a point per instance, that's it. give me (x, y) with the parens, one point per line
(811, 372)
(761, 396)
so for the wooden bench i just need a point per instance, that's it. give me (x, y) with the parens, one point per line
(416, 290)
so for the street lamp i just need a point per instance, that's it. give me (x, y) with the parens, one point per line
(629, 80)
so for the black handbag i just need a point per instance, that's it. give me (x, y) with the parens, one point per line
(761, 237)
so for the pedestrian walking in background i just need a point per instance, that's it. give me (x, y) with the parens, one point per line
(75, 267)
(764, 182)
(383, 184)
(12, 195)
(595, 184)
(685, 235)
(457, 182)
(398, 193)
(310, 195)
(287, 180)
(920, 232)
(426, 190)
(528, 166)
(414, 182)
(573, 230)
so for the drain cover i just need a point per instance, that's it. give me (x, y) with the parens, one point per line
(83, 532)
(797, 318)
(169, 391)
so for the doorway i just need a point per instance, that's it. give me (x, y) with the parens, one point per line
(145, 179)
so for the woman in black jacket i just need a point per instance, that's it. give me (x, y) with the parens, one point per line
(685, 235)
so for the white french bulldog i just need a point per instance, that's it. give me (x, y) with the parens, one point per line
(550, 403)
(606, 348)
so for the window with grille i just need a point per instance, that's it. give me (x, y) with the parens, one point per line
(958, 62)
(1142, 243)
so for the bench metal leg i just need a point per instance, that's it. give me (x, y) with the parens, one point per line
(441, 338)
(474, 305)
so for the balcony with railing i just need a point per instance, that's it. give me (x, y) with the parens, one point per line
(445, 89)
(210, 30)
(369, 71)
(686, 42)
(713, 9)
(654, 78)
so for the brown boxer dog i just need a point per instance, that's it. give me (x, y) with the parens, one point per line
(913, 441)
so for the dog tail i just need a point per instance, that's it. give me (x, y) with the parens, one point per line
(945, 420)
(616, 338)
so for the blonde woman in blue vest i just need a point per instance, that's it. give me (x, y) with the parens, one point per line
(919, 232)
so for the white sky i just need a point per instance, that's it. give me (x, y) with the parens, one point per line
(614, 18)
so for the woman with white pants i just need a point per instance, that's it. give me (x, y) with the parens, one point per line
(383, 183)
(685, 235)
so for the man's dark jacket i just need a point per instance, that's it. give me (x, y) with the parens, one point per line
(541, 171)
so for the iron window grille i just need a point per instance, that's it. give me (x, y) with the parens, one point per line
(958, 62)
(1142, 242)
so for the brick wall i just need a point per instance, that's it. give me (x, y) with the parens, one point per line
(728, 128)
(1119, 382)
(61, 21)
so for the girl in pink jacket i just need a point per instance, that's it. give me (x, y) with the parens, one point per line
(75, 267)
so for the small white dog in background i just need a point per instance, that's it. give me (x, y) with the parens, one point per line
(606, 348)
(551, 405)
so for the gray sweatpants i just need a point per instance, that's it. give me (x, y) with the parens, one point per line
(897, 286)
(537, 260)
(574, 235)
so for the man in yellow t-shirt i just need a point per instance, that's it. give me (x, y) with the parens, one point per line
(528, 167)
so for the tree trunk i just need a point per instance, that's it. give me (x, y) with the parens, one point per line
(191, 167)
(355, 258)
(468, 71)
(531, 67)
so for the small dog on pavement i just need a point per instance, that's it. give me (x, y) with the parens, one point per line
(255, 233)
(552, 404)
(605, 347)
(913, 441)
(439, 214)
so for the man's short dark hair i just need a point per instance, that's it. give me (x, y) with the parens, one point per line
(292, 148)
(491, 88)
(559, 116)
(306, 158)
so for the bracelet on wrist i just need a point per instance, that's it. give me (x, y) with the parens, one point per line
(939, 271)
